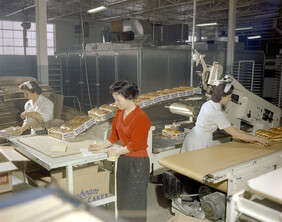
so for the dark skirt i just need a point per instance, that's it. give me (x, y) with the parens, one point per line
(132, 183)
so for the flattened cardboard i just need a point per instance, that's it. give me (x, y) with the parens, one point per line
(6, 167)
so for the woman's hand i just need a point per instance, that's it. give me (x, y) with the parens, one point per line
(113, 152)
(94, 147)
(264, 141)
(24, 114)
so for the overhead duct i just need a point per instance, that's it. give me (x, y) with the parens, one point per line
(139, 28)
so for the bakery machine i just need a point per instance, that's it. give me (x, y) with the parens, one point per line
(246, 111)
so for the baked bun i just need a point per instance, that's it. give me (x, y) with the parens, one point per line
(279, 127)
(273, 134)
(109, 108)
(275, 130)
(80, 119)
(261, 132)
(97, 111)
(182, 88)
(150, 95)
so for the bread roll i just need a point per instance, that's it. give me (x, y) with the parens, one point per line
(80, 119)
(70, 125)
(97, 111)
(279, 127)
(271, 134)
(108, 108)
(261, 132)
(57, 132)
(275, 130)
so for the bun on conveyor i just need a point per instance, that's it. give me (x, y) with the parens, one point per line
(275, 130)
(57, 132)
(97, 111)
(100, 114)
(261, 132)
(274, 134)
(279, 127)
(182, 88)
(70, 125)
(150, 95)
(109, 108)
(80, 119)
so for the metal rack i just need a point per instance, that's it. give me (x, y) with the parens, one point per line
(249, 74)
(277, 82)
(55, 75)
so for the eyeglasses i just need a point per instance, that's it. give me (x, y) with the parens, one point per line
(227, 88)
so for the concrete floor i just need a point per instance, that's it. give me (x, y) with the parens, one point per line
(158, 207)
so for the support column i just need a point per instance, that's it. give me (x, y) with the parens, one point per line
(192, 48)
(41, 38)
(231, 35)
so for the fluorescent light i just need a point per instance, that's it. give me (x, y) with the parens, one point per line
(243, 28)
(207, 24)
(98, 9)
(254, 37)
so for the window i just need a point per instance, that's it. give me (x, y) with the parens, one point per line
(12, 39)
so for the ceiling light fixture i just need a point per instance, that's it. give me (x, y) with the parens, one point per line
(254, 37)
(207, 24)
(243, 28)
(98, 9)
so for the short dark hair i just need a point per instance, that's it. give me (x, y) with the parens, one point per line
(127, 89)
(220, 91)
(31, 86)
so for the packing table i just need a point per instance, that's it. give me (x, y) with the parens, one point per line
(67, 161)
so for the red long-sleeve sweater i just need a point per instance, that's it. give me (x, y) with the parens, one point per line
(132, 132)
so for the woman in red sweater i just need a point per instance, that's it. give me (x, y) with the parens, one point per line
(131, 126)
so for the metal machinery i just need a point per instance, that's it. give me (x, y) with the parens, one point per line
(246, 111)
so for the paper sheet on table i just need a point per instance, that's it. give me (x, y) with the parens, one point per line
(59, 148)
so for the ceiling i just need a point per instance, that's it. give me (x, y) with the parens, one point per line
(264, 16)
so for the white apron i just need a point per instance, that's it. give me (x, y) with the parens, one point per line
(196, 139)
(209, 120)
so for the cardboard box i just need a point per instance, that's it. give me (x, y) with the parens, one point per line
(7, 156)
(90, 183)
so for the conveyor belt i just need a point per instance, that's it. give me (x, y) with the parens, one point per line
(199, 163)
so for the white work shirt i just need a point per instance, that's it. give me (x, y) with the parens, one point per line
(209, 120)
(43, 106)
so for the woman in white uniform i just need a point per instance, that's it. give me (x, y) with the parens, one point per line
(211, 117)
(38, 109)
